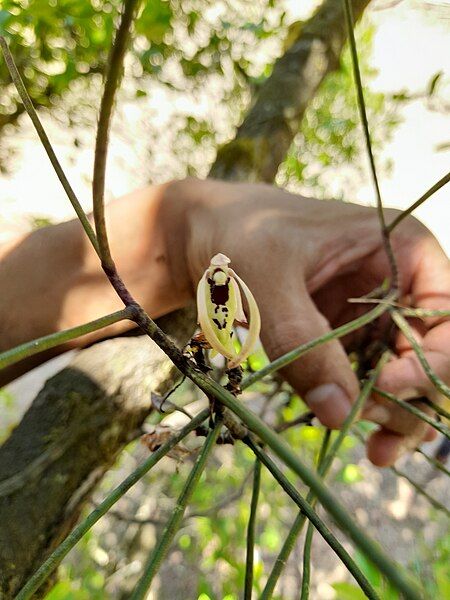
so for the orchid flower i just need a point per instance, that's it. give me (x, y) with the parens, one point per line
(219, 305)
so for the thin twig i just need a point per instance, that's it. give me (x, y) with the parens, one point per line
(435, 463)
(415, 411)
(28, 104)
(405, 328)
(314, 518)
(306, 575)
(113, 76)
(18, 353)
(325, 465)
(248, 585)
(47, 568)
(212, 510)
(423, 313)
(337, 333)
(434, 188)
(435, 503)
(407, 311)
(362, 110)
(174, 522)
(415, 485)
(304, 419)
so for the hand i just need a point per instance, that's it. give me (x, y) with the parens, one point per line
(303, 258)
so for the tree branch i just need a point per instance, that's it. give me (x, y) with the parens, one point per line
(267, 131)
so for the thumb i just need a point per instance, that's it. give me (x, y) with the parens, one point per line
(323, 376)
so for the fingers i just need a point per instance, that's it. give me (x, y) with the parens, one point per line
(405, 377)
(323, 376)
(401, 431)
(385, 447)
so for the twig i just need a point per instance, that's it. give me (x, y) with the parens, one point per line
(212, 510)
(415, 485)
(248, 585)
(310, 513)
(415, 411)
(407, 311)
(306, 575)
(325, 464)
(436, 463)
(423, 313)
(174, 522)
(47, 568)
(113, 77)
(28, 104)
(18, 353)
(337, 333)
(362, 110)
(435, 503)
(304, 419)
(405, 328)
(434, 188)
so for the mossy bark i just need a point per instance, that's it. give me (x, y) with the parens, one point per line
(71, 434)
(268, 129)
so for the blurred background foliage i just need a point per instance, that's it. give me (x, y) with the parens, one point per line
(224, 50)
(189, 49)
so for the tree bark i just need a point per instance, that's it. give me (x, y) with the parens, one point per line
(71, 434)
(267, 131)
(84, 415)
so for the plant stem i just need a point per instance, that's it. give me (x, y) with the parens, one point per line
(47, 568)
(61, 337)
(435, 503)
(173, 525)
(324, 466)
(310, 513)
(337, 333)
(434, 188)
(276, 443)
(363, 114)
(248, 586)
(28, 104)
(415, 411)
(423, 313)
(113, 76)
(432, 461)
(306, 575)
(405, 328)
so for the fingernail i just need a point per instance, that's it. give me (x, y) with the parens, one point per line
(330, 404)
(377, 413)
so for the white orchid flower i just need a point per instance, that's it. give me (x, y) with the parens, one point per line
(219, 305)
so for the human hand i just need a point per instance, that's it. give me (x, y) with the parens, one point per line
(303, 259)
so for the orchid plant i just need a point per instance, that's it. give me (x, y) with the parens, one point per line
(219, 304)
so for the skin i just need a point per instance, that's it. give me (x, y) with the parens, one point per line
(302, 258)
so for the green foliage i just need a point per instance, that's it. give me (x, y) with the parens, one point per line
(57, 42)
(331, 134)
(85, 581)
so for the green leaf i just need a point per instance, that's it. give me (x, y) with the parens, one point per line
(348, 591)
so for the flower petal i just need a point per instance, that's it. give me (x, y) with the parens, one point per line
(254, 325)
(205, 321)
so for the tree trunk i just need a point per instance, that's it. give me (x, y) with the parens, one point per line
(84, 415)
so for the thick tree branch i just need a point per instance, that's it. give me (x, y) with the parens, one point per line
(266, 133)
(71, 434)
